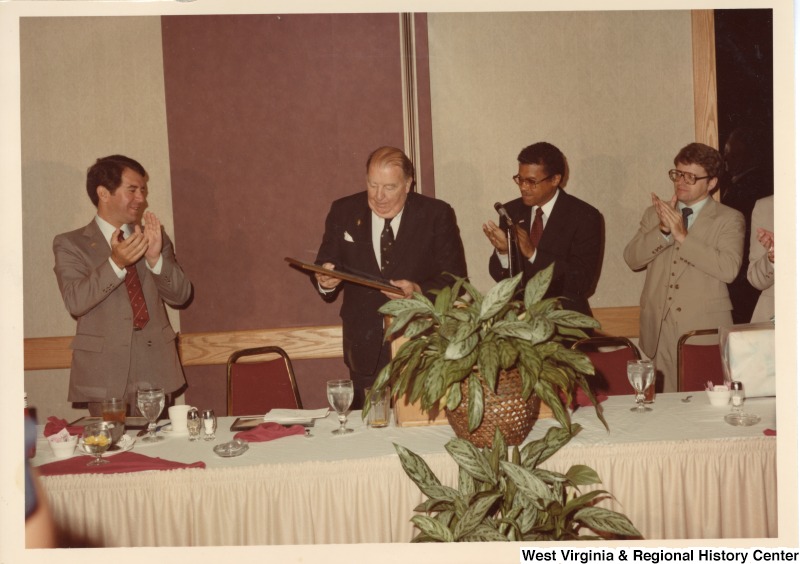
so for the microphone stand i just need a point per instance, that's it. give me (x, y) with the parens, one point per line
(513, 257)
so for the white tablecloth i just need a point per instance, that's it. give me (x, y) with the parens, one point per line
(677, 472)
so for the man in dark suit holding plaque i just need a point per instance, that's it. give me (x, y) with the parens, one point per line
(386, 232)
(551, 227)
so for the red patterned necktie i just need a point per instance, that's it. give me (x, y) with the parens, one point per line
(135, 294)
(537, 228)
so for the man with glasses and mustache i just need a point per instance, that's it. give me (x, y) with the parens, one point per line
(550, 227)
(691, 248)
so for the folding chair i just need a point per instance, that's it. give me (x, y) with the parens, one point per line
(256, 387)
(610, 366)
(697, 364)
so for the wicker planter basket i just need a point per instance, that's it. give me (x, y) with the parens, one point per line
(505, 409)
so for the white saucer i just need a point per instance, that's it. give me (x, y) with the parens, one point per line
(167, 430)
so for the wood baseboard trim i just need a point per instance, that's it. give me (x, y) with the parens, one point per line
(214, 348)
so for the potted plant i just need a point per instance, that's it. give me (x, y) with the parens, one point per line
(461, 346)
(502, 499)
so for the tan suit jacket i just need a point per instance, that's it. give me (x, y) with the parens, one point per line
(761, 272)
(106, 347)
(687, 279)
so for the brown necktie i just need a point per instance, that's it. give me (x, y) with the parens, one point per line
(135, 294)
(537, 228)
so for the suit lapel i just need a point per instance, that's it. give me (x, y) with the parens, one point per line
(362, 225)
(361, 231)
(701, 229)
(97, 247)
(557, 220)
(405, 234)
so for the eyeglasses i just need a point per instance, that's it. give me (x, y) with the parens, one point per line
(529, 182)
(688, 177)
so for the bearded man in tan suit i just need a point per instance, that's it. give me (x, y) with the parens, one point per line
(689, 262)
(112, 351)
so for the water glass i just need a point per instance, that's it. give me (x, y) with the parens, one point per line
(379, 404)
(113, 409)
(641, 374)
(194, 423)
(209, 424)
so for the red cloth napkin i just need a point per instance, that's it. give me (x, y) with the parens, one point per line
(269, 432)
(580, 399)
(770, 432)
(54, 425)
(119, 463)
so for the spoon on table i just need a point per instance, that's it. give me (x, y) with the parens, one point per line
(687, 399)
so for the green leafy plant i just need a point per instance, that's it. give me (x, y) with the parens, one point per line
(502, 499)
(465, 335)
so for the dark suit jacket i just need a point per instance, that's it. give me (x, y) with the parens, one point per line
(427, 245)
(572, 240)
(104, 345)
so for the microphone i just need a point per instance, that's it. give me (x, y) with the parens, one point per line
(503, 213)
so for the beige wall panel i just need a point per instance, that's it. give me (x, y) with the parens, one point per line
(90, 87)
(613, 90)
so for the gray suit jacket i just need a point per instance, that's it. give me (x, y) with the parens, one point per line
(689, 279)
(105, 348)
(761, 272)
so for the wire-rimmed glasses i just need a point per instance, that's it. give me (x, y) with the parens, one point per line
(688, 177)
(527, 183)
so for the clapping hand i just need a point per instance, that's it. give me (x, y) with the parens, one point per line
(152, 233)
(127, 252)
(669, 216)
(767, 240)
(496, 236)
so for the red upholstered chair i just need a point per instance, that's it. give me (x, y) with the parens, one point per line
(697, 364)
(610, 366)
(255, 387)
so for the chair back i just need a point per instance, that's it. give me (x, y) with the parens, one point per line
(610, 366)
(697, 364)
(256, 387)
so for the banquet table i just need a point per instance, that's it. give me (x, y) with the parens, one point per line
(678, 472)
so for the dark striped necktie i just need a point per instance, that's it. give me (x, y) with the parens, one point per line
(387, 240)
(686, 213)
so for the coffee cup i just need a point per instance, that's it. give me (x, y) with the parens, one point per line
(177, 417)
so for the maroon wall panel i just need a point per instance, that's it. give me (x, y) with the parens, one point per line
(270, 119)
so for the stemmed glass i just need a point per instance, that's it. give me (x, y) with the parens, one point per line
(640, 375)
(150, 402)
(340, 396)
(97, 440)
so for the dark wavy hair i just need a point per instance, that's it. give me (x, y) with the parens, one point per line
(698, 153)
(107, 172)
(546, 155)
